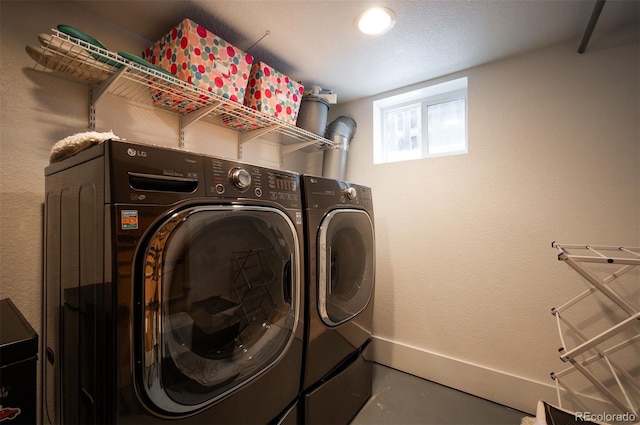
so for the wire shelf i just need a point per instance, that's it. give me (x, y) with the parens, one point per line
(108, 72)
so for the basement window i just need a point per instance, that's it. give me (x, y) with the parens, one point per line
(423, 123)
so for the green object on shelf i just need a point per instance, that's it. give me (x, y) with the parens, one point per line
(76, 33)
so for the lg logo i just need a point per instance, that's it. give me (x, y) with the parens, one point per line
(133, 152)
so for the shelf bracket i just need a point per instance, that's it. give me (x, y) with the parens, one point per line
(99, 90)
(254, 134)
(187, 119)
(95, 94)
(191, 117)
(296, 146)
(92, 112)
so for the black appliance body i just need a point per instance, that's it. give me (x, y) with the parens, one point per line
(340, 265)
(18, 370)
(173, 289)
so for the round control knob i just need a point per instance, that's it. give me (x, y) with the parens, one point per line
(240, 178)
(351, 193)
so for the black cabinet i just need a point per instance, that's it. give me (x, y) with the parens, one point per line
(18, 360)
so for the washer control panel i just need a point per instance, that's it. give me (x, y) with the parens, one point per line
(231, 179)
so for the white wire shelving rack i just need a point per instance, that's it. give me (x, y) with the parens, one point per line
(613, 262)
(108, 72)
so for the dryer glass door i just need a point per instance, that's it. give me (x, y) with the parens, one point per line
(346, 264)
(221, 302)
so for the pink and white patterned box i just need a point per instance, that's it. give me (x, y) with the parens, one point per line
(199, 57)
(273, 93)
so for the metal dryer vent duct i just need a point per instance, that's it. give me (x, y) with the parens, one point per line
(334, 161)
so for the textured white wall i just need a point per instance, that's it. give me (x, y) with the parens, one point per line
(465, 267)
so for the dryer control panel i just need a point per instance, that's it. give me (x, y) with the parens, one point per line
(324, 193)
(236, 180)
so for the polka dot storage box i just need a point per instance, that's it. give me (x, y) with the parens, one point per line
(273, 93)
(199, 57)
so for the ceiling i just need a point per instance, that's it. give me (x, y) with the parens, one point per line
(316, 42)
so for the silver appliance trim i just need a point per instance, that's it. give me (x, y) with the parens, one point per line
(324, 275)
(151, 360)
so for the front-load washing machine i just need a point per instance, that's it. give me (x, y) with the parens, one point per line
(173, 289)
(340, 264)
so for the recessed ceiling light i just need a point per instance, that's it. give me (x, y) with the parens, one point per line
(376, 21)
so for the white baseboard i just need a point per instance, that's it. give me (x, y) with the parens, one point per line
(500, 387)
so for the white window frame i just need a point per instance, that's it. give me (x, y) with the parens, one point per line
(421, 98)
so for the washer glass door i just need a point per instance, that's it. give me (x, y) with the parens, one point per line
(346, 264)
(221, 302)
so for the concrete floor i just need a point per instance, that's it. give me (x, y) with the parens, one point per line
(400, 398)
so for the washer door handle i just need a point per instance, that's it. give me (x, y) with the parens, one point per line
(287, 281)
(329, 267)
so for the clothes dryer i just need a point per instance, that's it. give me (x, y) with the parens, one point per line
(340, 264)
(173, 289)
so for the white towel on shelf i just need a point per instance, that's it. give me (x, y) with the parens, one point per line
(70, 146)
